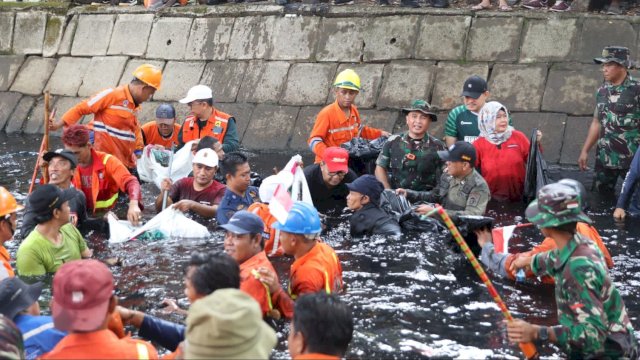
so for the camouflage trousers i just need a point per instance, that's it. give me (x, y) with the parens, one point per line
(605, 179)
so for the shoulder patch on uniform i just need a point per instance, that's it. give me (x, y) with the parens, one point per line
(474, 199)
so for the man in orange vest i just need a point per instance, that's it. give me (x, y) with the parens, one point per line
(243, 241)
(316, 266)
(206, 120)
(340, 122)
(163, 130)
(83, 303)
(115, 124)
(8, 223)
(101, 176)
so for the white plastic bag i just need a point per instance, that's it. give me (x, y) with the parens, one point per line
(169, 224)
(299, 187)
(150, 168)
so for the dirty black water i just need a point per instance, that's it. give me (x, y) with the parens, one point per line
(412, 298)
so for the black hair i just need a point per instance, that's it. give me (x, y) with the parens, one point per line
(568, 227)
(326, 323)
(207, 142)
(231, 162)
(212, 271)
(207, 101)
(136, 81)
(253, 235)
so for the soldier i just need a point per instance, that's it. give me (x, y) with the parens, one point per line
(462, 190)
(593, 321)
(410, 160)
(616, 120)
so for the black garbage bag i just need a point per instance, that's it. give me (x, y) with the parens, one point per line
(400, 208)
(537, 173)
(363, 154)
(467, 225)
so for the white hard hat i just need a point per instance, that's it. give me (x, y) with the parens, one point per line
(198, 92)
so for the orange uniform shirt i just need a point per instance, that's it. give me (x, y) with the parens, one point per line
(317, 270)
(254, 287)
(272, 244)
(108, 177)
(114, 123)
(333, 128)
(152, 135)
(101, 344)
(5, 270)
(316, 356)
(549, 244)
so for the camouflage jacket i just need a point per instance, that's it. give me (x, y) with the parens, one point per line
(466, 196)
(592, 316)
(618, 109)
(412, 164)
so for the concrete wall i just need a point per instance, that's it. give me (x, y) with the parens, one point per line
(273, 70)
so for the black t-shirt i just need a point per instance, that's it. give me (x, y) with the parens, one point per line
(323, 198)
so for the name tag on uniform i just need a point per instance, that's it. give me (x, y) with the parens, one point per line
(217, 130)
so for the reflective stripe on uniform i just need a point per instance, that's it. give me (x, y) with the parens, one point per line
(36, 331)
(143, 352)
(313, 142)
(116, 107)
(221, 119)
(105, 204)
(346, 128)
(99, 96)
(276, 242)
(327, 287)
(99, 126)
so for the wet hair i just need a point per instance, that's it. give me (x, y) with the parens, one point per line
(207, 142)
(326, 323)
(212, 271)
(76, 135)
(231, 162)
(568, 227)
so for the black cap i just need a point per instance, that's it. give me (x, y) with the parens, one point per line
(460, 151)
(48, 197)
(244, 222)
(16, 296)
(367, 185)
(63, 153)
(474, 87)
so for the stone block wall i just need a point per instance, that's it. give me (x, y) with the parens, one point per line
(273, 69)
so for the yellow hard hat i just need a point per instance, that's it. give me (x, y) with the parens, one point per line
(348, 79)
(149, 74)
(8, 203)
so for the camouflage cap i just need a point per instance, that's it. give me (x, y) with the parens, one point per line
(422, 106)
(617, 54)
(557, 204)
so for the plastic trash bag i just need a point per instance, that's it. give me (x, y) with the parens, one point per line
(363, 153)
(400, 208)
(153, 165)
(299, 187)
(169, 224)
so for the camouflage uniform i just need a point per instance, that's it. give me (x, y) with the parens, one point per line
(618, 110)
(592, 316)
(466, 196)
(412, 164)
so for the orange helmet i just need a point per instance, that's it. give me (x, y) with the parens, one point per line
(8, 203)
(149, 74)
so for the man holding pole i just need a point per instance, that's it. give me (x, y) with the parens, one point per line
(593, 321)
(199, 194)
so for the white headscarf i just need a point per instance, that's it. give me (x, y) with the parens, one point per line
(487, 123)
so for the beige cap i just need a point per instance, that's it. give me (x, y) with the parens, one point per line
(206, 157)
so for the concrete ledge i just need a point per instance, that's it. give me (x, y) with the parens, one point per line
(7, 19)
(492, 40)
(294, 38)
(394, 40)
(8, 102)
(103, 72)
(270, 127)
(33, 75)
(209, 39)
(341, 39)
(225, 78)
(597, 33)
(53, 35)
(182, 76)
(92, 35)
(548, 40)
(67, 37)
(28, 32)
(130, 34)
(449, 80)
(572, 90)
(9, 66)
(67, 77)
(519, 87)
(250, 38)
(168, 38)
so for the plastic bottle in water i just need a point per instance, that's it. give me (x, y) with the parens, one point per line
(521, 276)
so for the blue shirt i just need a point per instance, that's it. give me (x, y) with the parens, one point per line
(38, 333)
(232, 202)
(630, 195)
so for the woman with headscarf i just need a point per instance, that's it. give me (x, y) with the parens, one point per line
(502, 153)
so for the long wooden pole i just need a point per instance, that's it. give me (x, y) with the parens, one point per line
(45, 141)
(529, 349)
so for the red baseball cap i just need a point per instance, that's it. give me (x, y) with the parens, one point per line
(81, 293)
(337, 159)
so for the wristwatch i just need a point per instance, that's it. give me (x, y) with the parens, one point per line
(543, 333)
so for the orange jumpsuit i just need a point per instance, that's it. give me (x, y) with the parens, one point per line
(272, 245)
(114, 123)
(549, 244)
(333, 128)
(101, 344)
(257, 290)
(152, 135)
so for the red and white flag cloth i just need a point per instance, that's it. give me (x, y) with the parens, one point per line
(280, 204)
(501, 236)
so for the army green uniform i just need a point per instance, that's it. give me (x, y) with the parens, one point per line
(412, 164)
(466, 196)
(618, 110)
(592, 316)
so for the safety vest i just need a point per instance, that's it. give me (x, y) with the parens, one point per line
(216, 127)
(103, 192)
